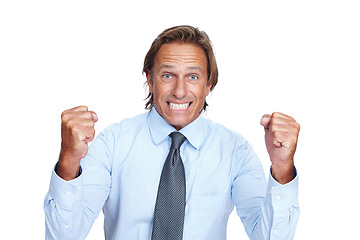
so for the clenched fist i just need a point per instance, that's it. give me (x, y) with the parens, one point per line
(77, 130)
(281, 136)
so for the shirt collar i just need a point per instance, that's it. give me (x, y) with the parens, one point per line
(160, 129)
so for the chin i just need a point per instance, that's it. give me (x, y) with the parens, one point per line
(178, 124)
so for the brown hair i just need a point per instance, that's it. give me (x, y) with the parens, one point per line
(186, 34)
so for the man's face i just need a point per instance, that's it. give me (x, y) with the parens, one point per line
(179, 83)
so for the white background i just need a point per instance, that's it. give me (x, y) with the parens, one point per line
(301, 58)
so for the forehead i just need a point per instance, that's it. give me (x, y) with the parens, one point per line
(171, 54)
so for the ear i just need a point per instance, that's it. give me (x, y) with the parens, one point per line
(149, 82)
(208, 89)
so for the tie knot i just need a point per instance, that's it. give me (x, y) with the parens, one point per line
(177, 140)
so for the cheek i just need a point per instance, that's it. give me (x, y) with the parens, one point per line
(203, 92)
(159, 91)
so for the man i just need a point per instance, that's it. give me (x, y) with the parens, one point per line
(126, 168)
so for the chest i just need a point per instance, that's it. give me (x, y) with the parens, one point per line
(136, 176)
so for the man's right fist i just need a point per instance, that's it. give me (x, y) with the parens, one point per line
(77, 130)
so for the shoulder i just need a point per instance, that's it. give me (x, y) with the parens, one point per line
(223, 133)
(125, 128)
(221, 138)
(118, 134)
(231, 147)
(127, 125)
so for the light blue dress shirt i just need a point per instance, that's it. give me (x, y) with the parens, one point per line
(121, 173)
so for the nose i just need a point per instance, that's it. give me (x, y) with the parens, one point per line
(180, 88)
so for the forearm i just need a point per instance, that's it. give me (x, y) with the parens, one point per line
(279, 211)
(64, 218)
(267, 211)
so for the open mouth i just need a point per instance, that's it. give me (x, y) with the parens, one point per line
(176, 106)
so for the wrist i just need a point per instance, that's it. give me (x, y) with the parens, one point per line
(68, 167)
(283, 174)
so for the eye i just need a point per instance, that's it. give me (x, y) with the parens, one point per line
(193, 77)
(167, 76)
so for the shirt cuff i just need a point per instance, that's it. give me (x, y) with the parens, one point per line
(65, 193)
(282, 197)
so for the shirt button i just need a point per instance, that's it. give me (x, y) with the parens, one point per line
(79, 188)
(66, 226)
(276, 231)
(68, 194)
(278, 197)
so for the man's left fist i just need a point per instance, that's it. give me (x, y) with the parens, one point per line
(281, 136)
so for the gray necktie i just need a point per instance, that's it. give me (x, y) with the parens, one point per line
(170, 201)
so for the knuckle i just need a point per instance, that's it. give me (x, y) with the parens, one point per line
(79, 108)
(66, 111)
(87, 123)
(275, 114)
(83, 115)
(275, 127)
(88, 115)
(75, 130)
(295, 127)
(82, 107)
(70, 123)
(65, 116)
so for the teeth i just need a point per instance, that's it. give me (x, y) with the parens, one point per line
(179, 106)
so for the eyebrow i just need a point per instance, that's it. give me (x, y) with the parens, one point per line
(168, 66)
(194, 68)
